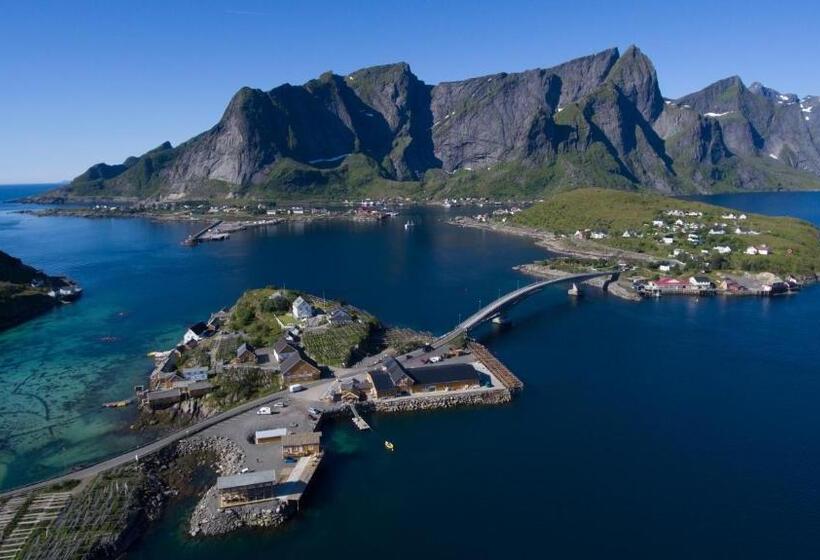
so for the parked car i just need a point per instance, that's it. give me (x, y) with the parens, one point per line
(296, 387)
(314, 411)
(264, 410)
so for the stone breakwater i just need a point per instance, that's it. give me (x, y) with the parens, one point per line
(208, 520)
(229, 457)
(449, 400)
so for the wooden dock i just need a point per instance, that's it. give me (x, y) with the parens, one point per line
(499, 370)
(358, 421)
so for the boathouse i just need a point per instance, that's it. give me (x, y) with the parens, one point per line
(444, 377)
(246, 488)
(163, 398)
(301, 445)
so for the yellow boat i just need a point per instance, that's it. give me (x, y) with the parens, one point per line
(389, 446)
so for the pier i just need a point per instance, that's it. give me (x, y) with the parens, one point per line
(358, 421)
(200, 236)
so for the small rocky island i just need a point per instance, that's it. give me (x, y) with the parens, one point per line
(245, 397)
(26, 292)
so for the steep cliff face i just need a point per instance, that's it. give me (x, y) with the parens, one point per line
(760, 121)
(599, 118)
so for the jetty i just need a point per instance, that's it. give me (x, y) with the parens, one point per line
(205, 234)
(358, 421)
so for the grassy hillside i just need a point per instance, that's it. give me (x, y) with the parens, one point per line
(794, 244)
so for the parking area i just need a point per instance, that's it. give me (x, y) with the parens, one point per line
(286, 412)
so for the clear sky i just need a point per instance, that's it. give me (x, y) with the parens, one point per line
(83, 82)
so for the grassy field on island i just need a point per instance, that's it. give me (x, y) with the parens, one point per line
(794, 245)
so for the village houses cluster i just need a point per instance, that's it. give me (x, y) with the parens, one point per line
(170, 383)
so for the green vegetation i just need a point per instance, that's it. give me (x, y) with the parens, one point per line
(255, 314)
(336, 346)
(238, 385)
(357, 176)
(516, 180)
(794, 244)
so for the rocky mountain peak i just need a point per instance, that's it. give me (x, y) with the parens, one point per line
(635, 76)
(596, 119)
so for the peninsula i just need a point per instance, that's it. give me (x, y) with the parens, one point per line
(664, 245)
(26, 292)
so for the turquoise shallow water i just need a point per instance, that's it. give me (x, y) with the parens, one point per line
(669, 428)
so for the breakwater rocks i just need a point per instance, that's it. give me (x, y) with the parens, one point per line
(208, 520)
(229, 457)
(417, 403)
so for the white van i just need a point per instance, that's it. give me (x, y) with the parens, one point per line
(296, 387)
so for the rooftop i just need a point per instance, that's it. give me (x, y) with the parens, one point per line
(282, 346)
(445, 373)
(275, 432)
(246, 479)
(198, 328)
(381, 381)
(304, 438)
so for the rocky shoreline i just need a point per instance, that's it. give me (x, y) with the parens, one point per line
(559, 245)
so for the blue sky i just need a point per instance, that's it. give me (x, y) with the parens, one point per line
(82, 82)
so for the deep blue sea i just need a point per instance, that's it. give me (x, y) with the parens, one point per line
(663, 429)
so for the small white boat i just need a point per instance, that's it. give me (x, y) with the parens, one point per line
(574, 290)
(389, 446)
(408, 224)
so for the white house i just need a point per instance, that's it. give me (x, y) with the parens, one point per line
(742, 217)
(281, 350)
(714, 231)
(302, 309)
(195, 332)
(763, 250)
(597, 235)
(700, 282)
(665, 267)
(723, 249)
(751, 250)
(657, 223)
(668, 239)
(626, 233)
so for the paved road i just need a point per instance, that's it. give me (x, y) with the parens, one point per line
(490, 310)
(154, 446)
(480, 316)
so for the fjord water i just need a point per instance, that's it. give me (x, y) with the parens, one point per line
(670, 428)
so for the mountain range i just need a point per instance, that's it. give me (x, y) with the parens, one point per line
(599, 120)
